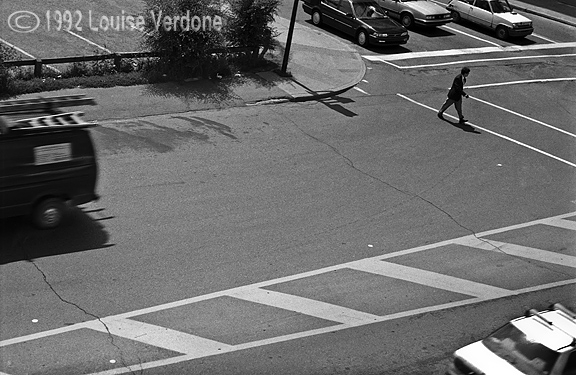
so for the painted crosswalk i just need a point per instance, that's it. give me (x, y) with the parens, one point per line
(330, 299)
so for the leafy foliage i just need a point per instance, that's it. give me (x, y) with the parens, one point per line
(250, 23)
(184, 45)
(6, 54)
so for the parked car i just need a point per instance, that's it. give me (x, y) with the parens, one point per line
(496, 15)
(365, 20)
(539, 343)
(416, 12)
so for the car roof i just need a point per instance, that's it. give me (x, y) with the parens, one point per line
(553, 328)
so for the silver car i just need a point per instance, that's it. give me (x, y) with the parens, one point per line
(416, 12)
(496, 15)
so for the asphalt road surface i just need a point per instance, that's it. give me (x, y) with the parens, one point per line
(354, 235)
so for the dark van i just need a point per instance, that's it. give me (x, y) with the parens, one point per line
(47, 159)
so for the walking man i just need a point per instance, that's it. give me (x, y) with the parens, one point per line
(455, 95)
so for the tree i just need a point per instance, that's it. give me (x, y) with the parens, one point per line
(183, 32)
(6, 53)
(250, 23)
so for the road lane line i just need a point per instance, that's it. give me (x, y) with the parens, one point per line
(543, 38)
(27, 54)
(524, 117)
(494, 133)
(359, 89)
(565, 224)
(161, 337)
(88, 41)
(541, 80)
(204, 297)
(305, 306)
(470, 35)
(464, 62)
(468, 51)
(429, 278)
(521, 251)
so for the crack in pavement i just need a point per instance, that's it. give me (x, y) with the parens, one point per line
(45, 278)
(418, 196)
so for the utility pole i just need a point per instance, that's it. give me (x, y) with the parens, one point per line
(283, 71)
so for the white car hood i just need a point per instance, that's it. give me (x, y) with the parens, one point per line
(425, 7)
(486, 362)
(512, 17)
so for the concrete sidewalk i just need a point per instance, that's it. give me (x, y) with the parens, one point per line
(320, 64)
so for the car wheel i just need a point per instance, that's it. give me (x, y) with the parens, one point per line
(456, 16)
(407, 20)
(502, 32)
(316, 18)
(362, 38)
(48, 213)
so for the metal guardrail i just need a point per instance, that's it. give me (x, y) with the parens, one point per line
(117, 57)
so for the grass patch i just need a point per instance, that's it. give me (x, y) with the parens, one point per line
(132, 72)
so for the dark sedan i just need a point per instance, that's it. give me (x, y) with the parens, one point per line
(365, 20)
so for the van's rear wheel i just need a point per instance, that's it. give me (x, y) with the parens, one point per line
(49, 213)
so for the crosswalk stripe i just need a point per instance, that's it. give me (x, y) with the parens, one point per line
(428, 278)
(521, 251)
(161, 337)
(305, 306)
(467, 51)
(566, 224)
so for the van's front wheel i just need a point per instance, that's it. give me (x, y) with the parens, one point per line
(49, 213)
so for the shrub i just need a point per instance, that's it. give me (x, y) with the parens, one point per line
(6, 54)
(183, 52)
(250, 24)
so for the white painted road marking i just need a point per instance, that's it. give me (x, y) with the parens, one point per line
(494, 133)
(565, 224)
(470, 35)
(319, 309)
(466, 62)
(432, 279)
(161, 337)
(362, 91)
(468, 51)
(197, 347)
(89, 41)
(541, 80)
(525, 117)
(520, 251)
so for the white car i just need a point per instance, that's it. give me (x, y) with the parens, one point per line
(540, 343)
(496, 15)
(419, 12)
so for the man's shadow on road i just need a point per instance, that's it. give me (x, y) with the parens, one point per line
(463, 126)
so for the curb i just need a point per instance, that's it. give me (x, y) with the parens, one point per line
(542, 14)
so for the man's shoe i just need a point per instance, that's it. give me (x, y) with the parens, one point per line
(440, 116)
(463, 120)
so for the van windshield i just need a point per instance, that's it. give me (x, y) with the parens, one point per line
(512, 345)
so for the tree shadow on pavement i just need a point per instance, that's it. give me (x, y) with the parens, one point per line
(79, 232)
(194, 89)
